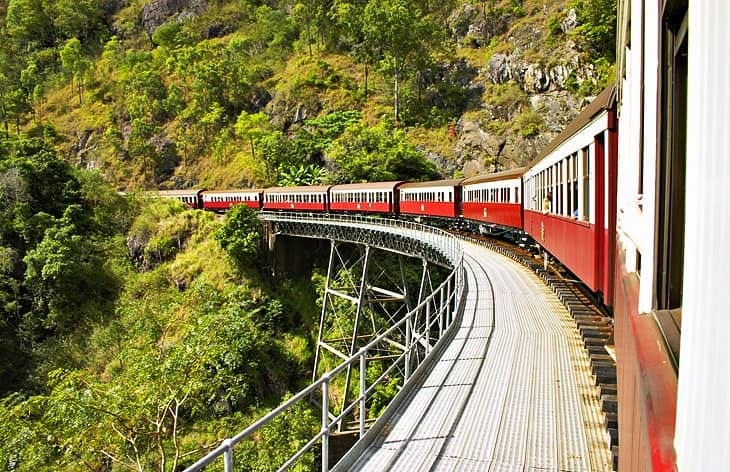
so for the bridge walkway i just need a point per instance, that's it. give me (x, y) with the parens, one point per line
(512, 391)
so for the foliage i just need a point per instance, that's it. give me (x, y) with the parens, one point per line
(164, 366)
(378, 153)
(303, 174)
(400, 30)
(597, 26)
(240, 236)
(130, 336)
(529, 124)
(55, 222)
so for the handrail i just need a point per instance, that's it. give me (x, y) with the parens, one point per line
(449, 306)
(438, 238)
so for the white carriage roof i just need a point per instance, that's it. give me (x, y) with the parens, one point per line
(233, 190)
(504, 175)
(433, 183)
(177, 193)
(304, 189)
(367, 186)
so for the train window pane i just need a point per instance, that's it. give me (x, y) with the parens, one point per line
(585, 187)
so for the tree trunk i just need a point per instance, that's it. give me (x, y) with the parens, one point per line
(309, 40)
(367, 71)
(396, 103)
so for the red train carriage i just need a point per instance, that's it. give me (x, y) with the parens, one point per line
(568, 209)
(221, 200)
(190, 197)
(494, 198)
(312, 198)
(374, 197)
(440, 198)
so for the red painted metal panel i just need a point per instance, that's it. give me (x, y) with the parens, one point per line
(573, 242)
(506, 214)
(379, 207)
(291, 206)
(647, 383)
(225, 205)
(445, 209)
(600, 267)
(612, 156)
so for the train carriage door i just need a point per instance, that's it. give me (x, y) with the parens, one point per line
(599, 150)
(672, 159)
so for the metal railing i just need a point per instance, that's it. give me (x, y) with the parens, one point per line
(419, 234)
(424, 325)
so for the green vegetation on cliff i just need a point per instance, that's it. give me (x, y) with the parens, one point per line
(135, 334)
(131, 338)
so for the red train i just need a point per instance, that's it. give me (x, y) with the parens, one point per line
(561, 199)
(640, 216)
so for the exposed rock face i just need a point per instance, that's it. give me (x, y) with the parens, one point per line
(534, 77)
(475, 27)
(158, 12)
(570, 21)
(498, 69)
(84, 149)
(168, 158)
(490, 139)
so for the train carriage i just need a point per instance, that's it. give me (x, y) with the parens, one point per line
(190, 197)
(494, 198)
(440, 198)
(372, 197)
(568, 208)
(310, 198)
(221, 200)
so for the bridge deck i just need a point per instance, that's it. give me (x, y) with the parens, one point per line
(512, 391)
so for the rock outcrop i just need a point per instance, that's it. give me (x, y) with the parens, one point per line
(538, 83)
(158, 12)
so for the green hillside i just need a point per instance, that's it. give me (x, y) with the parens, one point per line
(249, 93)
(135, 334)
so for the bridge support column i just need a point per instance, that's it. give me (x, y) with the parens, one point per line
(366, 293)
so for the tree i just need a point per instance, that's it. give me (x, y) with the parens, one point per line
(302, 174)
(349, 16)
(380, 153)
(597, 26)
(252, 126)
(65, 276)
(402, 33)
(74, 65)
(240, 236)
(81, 19)
(29, 23)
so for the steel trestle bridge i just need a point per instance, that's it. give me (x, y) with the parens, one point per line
(492, 375)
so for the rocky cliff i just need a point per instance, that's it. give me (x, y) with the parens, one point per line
(535, 81)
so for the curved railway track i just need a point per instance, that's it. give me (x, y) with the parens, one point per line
(512, 391)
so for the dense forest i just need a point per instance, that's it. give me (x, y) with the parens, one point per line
(134, 333)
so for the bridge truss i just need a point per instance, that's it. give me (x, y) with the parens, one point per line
(394, 325)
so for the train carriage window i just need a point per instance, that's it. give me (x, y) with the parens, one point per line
(585, 188)
(569, 185)
(561, 187)
(574, 191)
(672, 156)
